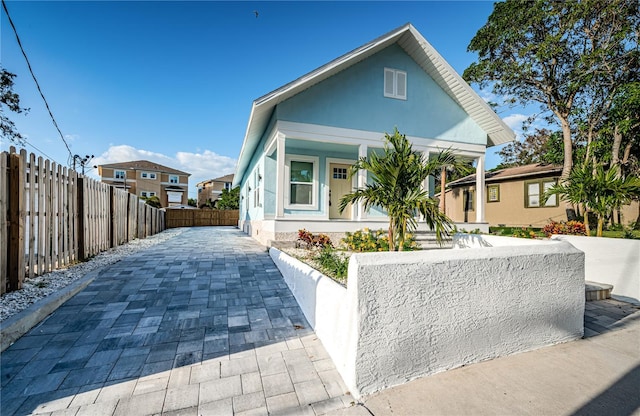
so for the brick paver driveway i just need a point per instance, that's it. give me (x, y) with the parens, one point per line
(202, 324)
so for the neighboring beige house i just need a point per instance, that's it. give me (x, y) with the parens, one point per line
(210, 190)
(146, 179)
(513, 198)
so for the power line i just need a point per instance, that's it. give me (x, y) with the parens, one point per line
(40, 151)
(55, 123)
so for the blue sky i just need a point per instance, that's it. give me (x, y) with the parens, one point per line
(174, 82)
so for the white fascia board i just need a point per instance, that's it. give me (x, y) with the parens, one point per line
(467, 98)
(246, 147)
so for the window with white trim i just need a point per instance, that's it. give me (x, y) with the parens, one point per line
(302, 179)
(227, 186)
(148, 175)
(534, 190)
(395, 83)
(174, 179)
(257, 178)
(146, 194)
(119, 174)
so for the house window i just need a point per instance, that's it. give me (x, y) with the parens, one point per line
(119, 174)
(493, 193)
(173, 179)
(395, 84)
(302, 176)
(146, 194)
(467, 200)
(533, 192)
(339, 173)
(227, 186)
(257, 178)
(148, 175)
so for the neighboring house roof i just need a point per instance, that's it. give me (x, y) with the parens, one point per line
(416, 46)
(144, 165)
(517, 172)
(225, 178)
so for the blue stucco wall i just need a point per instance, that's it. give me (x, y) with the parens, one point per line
(354, 99)
(303, 148)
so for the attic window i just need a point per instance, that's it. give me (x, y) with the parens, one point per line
(395, 84)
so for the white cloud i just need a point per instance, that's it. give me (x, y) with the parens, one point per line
(515, 121)
(207, 164)
(201, 166)
(487, 95)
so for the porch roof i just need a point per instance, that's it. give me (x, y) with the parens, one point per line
(516, 172)
(419, 49)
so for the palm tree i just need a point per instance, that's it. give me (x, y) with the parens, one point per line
(398, 175)
(599, 190)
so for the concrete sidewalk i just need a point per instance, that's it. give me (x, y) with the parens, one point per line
(202, 324)
(598, 375)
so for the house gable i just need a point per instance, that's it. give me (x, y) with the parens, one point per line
(354, 99)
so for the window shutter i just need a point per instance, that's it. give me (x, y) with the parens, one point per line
(401, 84)
(388, 83)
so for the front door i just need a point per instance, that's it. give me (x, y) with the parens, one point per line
(339, 185)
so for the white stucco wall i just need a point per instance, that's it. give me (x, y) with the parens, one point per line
(325, 305)
(407, 315)
(425, 312)
(613, 261)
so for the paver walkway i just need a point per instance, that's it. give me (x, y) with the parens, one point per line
(202, 324)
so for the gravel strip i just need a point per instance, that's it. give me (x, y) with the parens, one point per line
(41, 286)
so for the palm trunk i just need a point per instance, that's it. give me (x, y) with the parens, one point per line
(586, 221)
(391, 237)
(600, 224)
(401, 235)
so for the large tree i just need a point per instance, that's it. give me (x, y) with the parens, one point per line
(11, 100)
(559, 54)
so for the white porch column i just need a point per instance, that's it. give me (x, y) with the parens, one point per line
(280, 179)
(362, 181)
(480, 190)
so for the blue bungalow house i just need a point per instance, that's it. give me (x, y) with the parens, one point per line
(302, 137)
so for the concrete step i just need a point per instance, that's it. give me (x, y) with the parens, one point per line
(597, 291)
(428, 240)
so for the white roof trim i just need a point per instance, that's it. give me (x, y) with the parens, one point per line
(419, 49)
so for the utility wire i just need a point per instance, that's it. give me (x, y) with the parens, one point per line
(41, 152)
(55, 123)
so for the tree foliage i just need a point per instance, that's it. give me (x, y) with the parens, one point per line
(192, 202)
(11, 100)
(398, 175)
(566, 56)
(229, 199)
(153, 201)
(541, 146)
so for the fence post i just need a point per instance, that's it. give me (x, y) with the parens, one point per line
(112, 208)
(4, 208)
(16, 216)
(80, 215)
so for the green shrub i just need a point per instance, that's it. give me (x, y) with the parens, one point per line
(333, 263)
(374, 240)
(628, 233)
